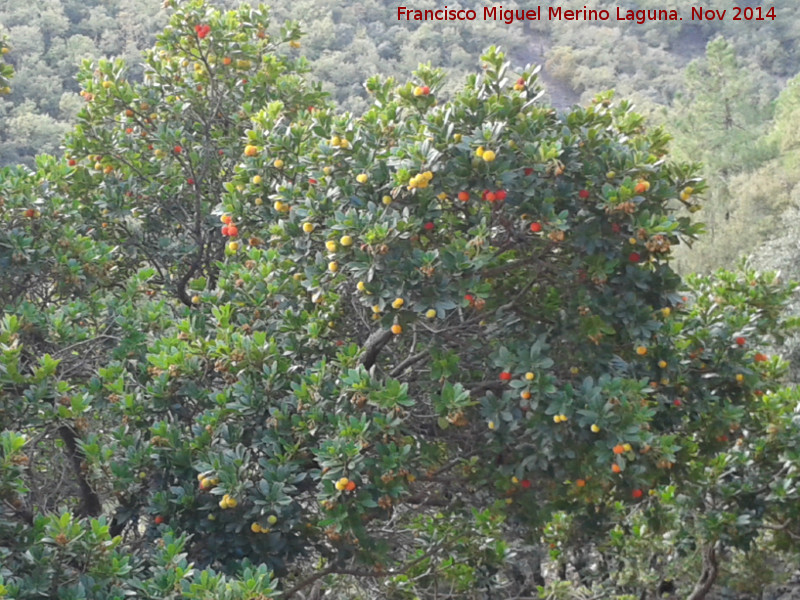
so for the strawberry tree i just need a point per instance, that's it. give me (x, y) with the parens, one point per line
(278, 344)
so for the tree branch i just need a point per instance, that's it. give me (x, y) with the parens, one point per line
(373, 573)
(374, 345)
(90, 501)
(710, 572)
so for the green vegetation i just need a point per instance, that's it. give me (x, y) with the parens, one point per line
(253, 345)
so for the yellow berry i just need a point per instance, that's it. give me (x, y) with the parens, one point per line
(387, 200)
(662, 364)
(362, 178)
(641, 350)
(456, 137)
(342, 484)
(595, 428)
(530, 376)
(233, 246)
(327, 170)
(333, 266)
(632, 241)
(666, 311)
(492, 425)
(488, 156)
(255, 528)
(398, 303)
(431, 314)
(397, 329)
(346, 240)
(376, 309)
(331, 245)
(250, 150)
(479, 152)
(278, 163)
(259, 201)
(556, 418)
(335, 140)
(195, 299)
(257, 179)
(627, 447)
(308, 227)
(361, 286)
(514, 480)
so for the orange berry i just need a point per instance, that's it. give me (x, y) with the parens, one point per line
(616, 468)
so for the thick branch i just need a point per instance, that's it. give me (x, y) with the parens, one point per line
(709, 576)
(90, 501)
(374, 345)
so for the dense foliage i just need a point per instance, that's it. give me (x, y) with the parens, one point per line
(252, 345)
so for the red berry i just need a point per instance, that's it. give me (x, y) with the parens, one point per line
(637, 494)
(190, 181)
(521, 81)
(536, 227)
(490, 196)
(202, 30)
(178, 149)
(233, 230)
(759, 357)
(159, 520)
(312, 181)
(469, 298)
(30, 213)
(463, 196)
(429, 226)
(425, 90)
(505, 376)
(616, 228)
(740, 340)
(677, 402)
(634, 257)
(525, 483)
(72, 162)
(584, 194)
(225, 230)
(529, 171)
(500, 194)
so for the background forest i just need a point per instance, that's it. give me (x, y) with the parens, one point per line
(245, 353)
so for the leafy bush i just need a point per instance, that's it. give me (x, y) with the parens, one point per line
(251, 343)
